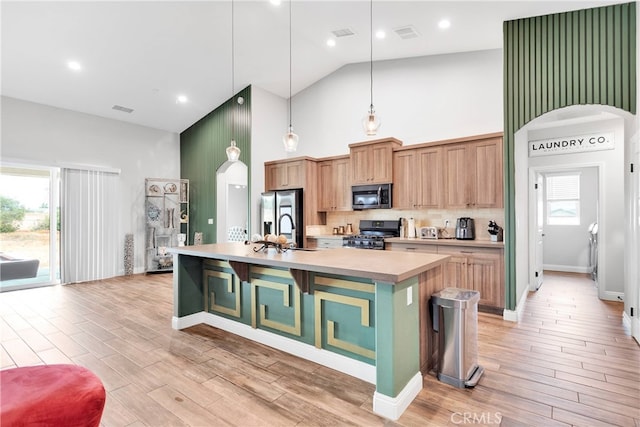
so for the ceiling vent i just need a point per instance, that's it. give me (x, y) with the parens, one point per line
(123, 109)
(406, 32)
(343, 32)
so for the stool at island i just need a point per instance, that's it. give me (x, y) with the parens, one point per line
(53, 395)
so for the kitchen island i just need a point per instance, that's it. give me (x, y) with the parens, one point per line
(362, 312)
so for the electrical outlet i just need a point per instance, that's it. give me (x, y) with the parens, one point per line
(409, 295)
(446, 223)
(210, 221)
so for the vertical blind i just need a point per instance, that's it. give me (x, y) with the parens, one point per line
(89, 225)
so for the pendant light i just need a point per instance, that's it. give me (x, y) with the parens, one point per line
(233, 152)
(290, 139)
(371, 121)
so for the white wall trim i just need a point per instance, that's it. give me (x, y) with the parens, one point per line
(610, 296)
(633, 323)
(516, 315)
(344, 364)
(393, 407)
(567, 268)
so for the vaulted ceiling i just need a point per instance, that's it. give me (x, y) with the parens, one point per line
(142, 55)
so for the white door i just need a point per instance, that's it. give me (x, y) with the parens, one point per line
(539, 224)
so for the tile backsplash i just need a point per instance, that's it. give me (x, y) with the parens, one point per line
(423, 217)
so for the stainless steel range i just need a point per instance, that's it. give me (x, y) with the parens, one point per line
(372, 234)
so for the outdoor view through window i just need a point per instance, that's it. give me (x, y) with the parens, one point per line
(28, 239)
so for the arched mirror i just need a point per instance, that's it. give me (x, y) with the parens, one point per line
(232, 202)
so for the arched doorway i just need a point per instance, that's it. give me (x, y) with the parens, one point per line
(618, 279)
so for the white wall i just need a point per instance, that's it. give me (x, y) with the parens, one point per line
(566, 247)
(419, 99)
(268, 125)
(52, 136)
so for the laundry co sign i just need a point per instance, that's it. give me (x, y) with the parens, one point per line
(572, 144)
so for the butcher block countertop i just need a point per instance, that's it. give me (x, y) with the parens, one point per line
(383, 266)
(477, 243)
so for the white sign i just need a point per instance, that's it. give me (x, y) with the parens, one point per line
(572, 144)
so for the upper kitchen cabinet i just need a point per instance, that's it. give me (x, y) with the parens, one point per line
(418, 178)
(372, 161)
(473, 173)
(287, 174)
(334, 193)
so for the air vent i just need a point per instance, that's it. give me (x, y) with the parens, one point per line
(406, 32)
(343, 32)
(123, 109)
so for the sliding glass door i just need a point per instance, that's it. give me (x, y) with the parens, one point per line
(29, 227)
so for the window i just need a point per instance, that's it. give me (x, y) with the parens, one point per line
(563, 199)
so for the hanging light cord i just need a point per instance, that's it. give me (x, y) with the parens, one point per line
(290, 1)
(371, 50)
(233, 122)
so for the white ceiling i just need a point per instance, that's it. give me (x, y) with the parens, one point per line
(142, 54)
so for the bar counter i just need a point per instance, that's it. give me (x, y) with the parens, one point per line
(361, 312)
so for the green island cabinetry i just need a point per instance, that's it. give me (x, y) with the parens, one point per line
(358, 312)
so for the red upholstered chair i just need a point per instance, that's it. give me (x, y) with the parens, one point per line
(50, 395)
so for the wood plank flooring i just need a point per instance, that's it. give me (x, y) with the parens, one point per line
(568, 362)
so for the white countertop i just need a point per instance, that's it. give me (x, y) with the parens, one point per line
(383, 266)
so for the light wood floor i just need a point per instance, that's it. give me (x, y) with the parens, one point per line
(568, 362)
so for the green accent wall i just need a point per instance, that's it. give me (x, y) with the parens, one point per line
(553, 61)
(202, 151)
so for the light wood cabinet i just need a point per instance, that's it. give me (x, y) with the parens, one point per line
(334, 190)
(473, 174)
(470, 267)
(284, 175)
(418, 178)
(479, 269)
(372, 161)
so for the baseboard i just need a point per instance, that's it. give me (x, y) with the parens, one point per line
(567, 268)
(344, 364)
(611, 296)
(393, 407)
(633, 324)
(515, 315)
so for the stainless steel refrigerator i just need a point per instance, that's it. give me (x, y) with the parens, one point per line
(282, 214)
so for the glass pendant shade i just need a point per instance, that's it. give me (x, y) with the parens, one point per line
(233, 152)
(290, 141)
(371, 122)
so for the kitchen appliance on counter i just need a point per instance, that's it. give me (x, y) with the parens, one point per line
(282, 214)
(465, 229)
(372, 234)
(429, 232)
(371, 197)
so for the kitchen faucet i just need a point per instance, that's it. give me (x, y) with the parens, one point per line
(293, 226)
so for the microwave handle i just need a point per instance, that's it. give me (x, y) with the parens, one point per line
(379, 195)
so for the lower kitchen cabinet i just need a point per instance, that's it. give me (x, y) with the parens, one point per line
(477, 268)
(324, 242)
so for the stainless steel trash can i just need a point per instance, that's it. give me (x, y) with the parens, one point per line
(455, 319)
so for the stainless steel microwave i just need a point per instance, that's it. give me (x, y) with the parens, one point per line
(371, 196)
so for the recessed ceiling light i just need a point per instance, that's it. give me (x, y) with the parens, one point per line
(381, 34)
(444, 24)
(275, 2)
(74, 65)
(181, 99)
(331, 42)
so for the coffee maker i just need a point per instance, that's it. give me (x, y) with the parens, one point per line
(465, 229)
